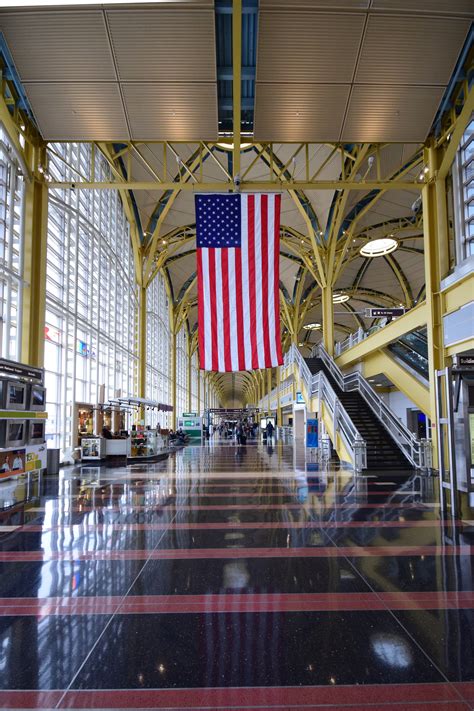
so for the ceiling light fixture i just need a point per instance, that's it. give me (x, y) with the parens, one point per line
(65, 3)
(379, 247)
(340, 298)
(311, 326)
(230, 146)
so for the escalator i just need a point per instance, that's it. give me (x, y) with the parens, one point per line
(412, 349)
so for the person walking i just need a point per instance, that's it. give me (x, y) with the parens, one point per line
(270, 430)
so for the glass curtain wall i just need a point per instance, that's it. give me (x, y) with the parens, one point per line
(91, 295)
(12, 202)
(463, 180)
(158, 351)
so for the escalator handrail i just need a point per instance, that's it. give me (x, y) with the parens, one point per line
(402, 436)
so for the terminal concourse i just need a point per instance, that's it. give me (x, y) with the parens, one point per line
(237, 354)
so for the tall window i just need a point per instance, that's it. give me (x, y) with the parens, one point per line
(463, 177)
(158, 340)
(181, 373)
(91, 294)
(11, 250)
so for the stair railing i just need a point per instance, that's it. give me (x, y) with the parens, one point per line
(319, 386)
(417, 451)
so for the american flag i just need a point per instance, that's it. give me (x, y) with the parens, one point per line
(238, 250)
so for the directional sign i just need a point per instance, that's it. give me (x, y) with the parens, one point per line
(381, 313)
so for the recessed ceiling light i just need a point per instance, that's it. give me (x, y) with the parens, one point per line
(311, 326)
(379, 247)
(339, 298)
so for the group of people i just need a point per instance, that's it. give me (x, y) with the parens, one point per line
(240, 431)
(13, 463)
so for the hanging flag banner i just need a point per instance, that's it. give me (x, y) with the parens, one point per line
(238, 256)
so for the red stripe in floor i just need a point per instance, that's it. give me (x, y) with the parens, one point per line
(415, 697)
(214, 553)
(362, 695)
(100, 527)
(245, 507)
(270, 602)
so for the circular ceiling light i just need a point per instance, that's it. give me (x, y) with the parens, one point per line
(311, 326)
(340, 298)
(379, 247)
(230, 146)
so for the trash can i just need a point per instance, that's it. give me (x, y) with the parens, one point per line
(52, 464)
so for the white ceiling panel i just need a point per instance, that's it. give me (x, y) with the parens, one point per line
(80, 111)
(380, 114)
(299, 112)
(306, 46)
(410, 50)
(59, 45)
(450, 7)
(163, 45)
(186, 111)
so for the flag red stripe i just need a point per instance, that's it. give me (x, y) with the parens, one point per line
(252, 285)
(264, 242)
(212, 290)
(240, 308)
(201, 326)
(276, 278)
(225, 307)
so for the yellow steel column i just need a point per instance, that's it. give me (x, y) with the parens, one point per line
(328, 319)
(142, 342)
(189, 378)
(236, 84)
(198, 393)
(173, 377)
(34, 274)
(269, 389)
(278, 370)
(436, 255)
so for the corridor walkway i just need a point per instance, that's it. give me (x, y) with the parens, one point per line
(234, 577)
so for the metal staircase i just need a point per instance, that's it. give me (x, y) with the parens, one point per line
(389, 443)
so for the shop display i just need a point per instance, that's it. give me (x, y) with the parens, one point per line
(92, 448)
(22, 419)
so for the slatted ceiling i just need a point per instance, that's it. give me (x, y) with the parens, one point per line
(410, 50)
(314, 4)
(52, 45)
(299, 112)
(380, 114)
(163, 45)
(307, 46)
(85, 111)
(185, 111)
(451, 7)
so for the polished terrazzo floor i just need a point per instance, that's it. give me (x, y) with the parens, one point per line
(233, 577)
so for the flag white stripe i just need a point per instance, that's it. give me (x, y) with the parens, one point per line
(234, 346)
(245, 282)
(220, 325)
(259, 282)
(271, 274)
(207, 309)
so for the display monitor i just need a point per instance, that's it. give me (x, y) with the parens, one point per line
(37, 397)
(36, 432)
(14, 395)
(15, 433)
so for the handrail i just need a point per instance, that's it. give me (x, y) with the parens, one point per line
(319, 385)
(413, 448)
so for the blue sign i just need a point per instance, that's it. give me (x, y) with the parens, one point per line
(299, 398)
(311, 433)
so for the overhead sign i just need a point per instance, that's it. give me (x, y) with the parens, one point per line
(189, 414)
(21, 370)
(464, 362)
(381, 313)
